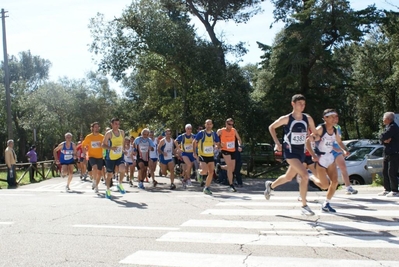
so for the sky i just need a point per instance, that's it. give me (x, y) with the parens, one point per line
(58, 31)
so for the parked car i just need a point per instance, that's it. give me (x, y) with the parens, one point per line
(262, 153)
(354, 143)
(356, 163)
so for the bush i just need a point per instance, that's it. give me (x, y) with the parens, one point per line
(378, 181)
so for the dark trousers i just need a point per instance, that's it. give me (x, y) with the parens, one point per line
(11, 178)
(32, 170)
(390, 171)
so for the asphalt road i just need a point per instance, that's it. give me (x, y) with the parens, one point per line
(41, 225)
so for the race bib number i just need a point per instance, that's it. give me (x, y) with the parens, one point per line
(68, 157)
(230, 145)
(208, 149)
(188, 147)
(329, 144)
(96, 144)
(298, 138)
(143, 149)
(169, 151)
(118, 150)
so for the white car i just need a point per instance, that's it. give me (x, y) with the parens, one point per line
(356, 163)
(354, 143)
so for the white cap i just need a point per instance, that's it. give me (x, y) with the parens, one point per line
(188, 126)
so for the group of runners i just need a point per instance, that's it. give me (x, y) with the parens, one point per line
(113, 153)
(311, 152)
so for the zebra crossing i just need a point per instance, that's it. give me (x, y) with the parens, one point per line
(363, 222)
(83, 186)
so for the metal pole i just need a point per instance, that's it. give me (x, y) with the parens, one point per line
(6, 77)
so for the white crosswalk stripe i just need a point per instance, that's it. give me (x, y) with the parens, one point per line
(152, 258)
(362, 222)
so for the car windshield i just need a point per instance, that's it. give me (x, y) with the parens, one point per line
(359, 153)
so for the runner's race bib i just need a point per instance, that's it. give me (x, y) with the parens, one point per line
(230, 145)
(298, 138)
(118, 150)
(188, 147)
(143, 149)
(96, 144)
(208, 149)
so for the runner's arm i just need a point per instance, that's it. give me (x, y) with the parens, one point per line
(283, 120)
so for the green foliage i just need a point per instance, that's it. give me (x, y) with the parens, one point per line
(313, 55)
(378, 181)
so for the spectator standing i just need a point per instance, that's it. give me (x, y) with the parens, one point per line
(390, 139)
(32, 157)
(10, 159)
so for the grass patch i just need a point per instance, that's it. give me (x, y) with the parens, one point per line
(25, 180)
(378, 181)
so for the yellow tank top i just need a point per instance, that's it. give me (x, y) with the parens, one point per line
(116, 141)
(206, 146)
(187, 144)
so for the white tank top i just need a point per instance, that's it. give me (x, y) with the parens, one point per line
(326, 141)
(128, 156)
(154, 154)
(168, 149)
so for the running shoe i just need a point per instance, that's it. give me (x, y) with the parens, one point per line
(189, 182)
(155, 183)
(172, 187)
(307, 211)
(108, 194)
(383, 193)
(67, 189)
(232, 188)
(207, 191)
(393, 194)
(199, 177)
(131, 183)
(184, 184)
(327, 208)
(268, 190)
(351, 191)
(141, 185)
(121, 189)
(96, 190)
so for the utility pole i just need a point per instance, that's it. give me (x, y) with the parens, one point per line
(6, 76)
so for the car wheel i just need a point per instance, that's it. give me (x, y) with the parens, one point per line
(356, 180)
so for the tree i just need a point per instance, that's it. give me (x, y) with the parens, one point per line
(27, 73)
(302, 58)
(209, 12)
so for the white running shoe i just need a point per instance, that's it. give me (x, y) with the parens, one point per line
(351, 191)
(393, 194)
(307, 211)
(383, 193)
(268, 185)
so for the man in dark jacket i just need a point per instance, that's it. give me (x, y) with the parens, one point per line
(390, 139)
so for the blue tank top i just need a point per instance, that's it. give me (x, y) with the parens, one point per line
(66, 156)
(295, 133)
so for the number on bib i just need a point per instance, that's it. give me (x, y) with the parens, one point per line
(298, 138)
(208, 149)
